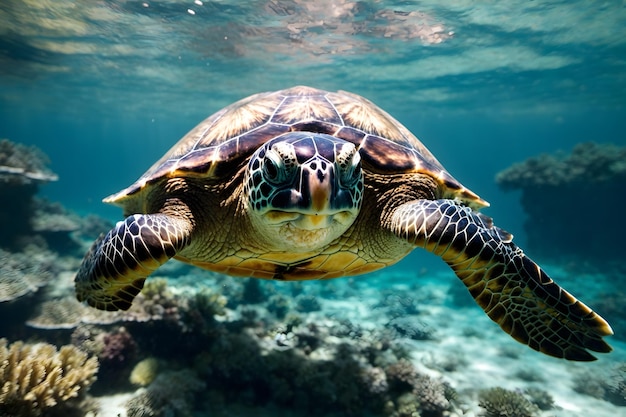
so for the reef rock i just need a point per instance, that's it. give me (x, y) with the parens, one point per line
(24, 273)
(572, 202)
(22, 170)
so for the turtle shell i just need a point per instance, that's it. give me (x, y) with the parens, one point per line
(220, 144)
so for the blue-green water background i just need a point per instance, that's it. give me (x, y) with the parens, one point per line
(106, 87)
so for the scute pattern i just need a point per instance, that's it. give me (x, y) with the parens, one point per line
(514, 291)
(222, 142)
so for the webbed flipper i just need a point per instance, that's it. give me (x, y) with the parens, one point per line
(115, 268)
(512, 289)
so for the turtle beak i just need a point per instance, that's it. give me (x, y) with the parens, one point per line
(320, 184)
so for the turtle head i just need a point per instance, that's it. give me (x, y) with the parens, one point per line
(304, 189)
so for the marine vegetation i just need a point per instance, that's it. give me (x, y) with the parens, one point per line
(37, 377)
(560, 190)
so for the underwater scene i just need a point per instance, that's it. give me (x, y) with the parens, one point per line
(457, 167)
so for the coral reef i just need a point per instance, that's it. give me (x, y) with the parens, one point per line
(37, 377)
(307, 303)
(21, 164)
(279, 305)
(411, 328)
(24, 273)
(118, 347)
(561, 197)
(542, 399)
(609, 386)
(499, 402)
(170, 394)
(418, 393)
(22, 169)
(155, 303)
(398, 303)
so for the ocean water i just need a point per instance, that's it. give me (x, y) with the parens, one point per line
(104, 88)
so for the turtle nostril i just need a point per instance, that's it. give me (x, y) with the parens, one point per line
(320, 175)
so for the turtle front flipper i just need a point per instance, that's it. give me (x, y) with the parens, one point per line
(115, 268)
(512, 289)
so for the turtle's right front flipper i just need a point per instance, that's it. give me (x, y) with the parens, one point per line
(116, 266)
(513, 290)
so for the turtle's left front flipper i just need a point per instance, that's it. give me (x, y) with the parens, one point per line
(513, 290)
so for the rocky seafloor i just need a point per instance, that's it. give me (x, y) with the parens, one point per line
(401, 342)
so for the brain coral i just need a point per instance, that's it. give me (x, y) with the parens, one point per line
(36, 377)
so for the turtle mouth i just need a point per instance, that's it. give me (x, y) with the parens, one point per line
(309, 221)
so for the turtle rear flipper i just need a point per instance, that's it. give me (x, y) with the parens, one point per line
(513, 290)
(115, 268)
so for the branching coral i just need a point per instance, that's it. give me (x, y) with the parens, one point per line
(417, 391)
(499, 402)
(36, 377)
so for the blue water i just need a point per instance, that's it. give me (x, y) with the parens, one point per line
(104, 88)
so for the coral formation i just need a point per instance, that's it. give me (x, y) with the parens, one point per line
(22, 169)
(144, 372)
(609, 386)
(398, 303)
(499, 402)
(118, 347)
(307, 303)
(560, 193)
(542, 399)
(155, 303)
(411, 328)
(20, 164)
(279, 305)
(24, 273)
(37, 377)
(170, 394)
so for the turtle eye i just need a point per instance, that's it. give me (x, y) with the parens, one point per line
(351, 174)
(273, 167)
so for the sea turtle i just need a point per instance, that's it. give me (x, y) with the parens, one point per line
(308, 184)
